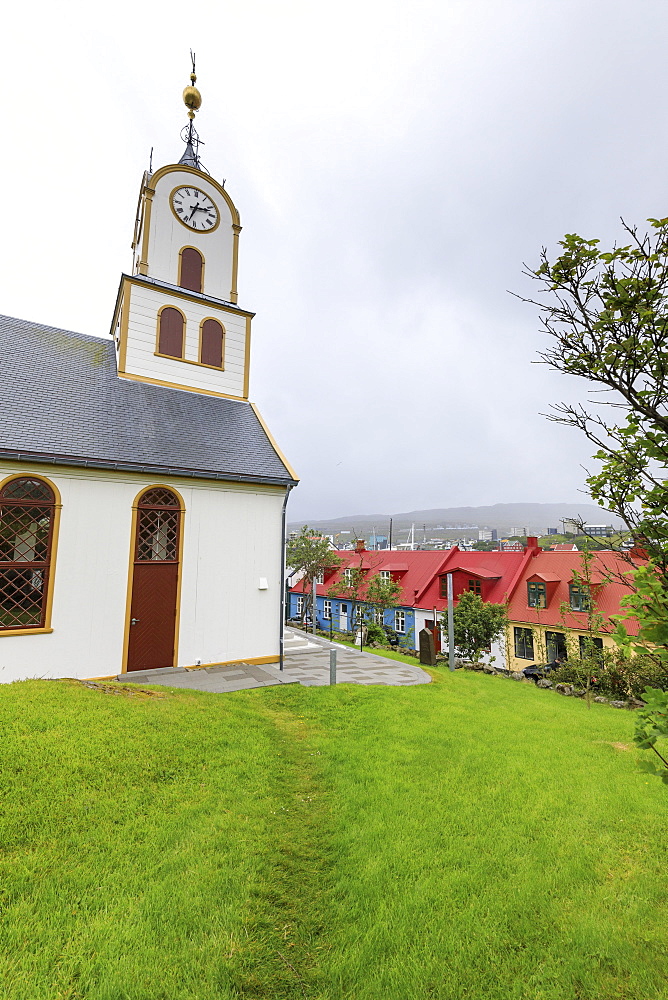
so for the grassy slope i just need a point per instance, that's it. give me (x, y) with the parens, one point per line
(471, 838)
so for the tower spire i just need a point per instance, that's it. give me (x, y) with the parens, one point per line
(193, 101)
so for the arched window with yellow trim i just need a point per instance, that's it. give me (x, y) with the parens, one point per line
(27, 521)
(191, 269)
(170, 332)
(212, 338)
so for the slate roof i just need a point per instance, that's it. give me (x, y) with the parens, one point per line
(61, 401)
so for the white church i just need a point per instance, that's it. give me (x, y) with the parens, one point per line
(142, 497)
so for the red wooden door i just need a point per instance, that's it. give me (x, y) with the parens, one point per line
(153, 606)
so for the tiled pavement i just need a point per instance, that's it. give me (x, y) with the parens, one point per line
(305, 661)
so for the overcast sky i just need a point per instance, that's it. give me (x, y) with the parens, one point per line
(393, 164)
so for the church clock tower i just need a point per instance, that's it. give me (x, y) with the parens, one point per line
(177, 321)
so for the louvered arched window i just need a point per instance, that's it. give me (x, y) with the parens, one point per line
(27, 519)
(191, 269)
(212, 337)
(170, 332)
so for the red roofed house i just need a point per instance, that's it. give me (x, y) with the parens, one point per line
(422, 576)
(552, 612)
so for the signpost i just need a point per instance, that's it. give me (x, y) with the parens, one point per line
(451, 626)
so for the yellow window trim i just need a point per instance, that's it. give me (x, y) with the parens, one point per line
(202, 258)
(54, 552)
(26, 631)
(187, 361)
(214, 319)
(181, 313)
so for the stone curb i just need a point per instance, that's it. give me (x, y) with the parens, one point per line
(566, 690)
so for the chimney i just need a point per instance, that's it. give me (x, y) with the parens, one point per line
(639, 551)
(532, 544)
(359, 545)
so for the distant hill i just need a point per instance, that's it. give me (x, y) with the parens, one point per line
(451, 521)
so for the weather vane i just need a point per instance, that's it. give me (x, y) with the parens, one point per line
(193, 101)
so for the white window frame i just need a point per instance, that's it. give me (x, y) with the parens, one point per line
(320, 577)
(400, 622)
(385, 574)
(378, 616)
(300, 605)
(348, 576)
(327, 613)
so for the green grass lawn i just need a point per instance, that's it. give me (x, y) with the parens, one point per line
(472, 838)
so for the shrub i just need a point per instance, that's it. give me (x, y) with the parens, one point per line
(614, 675)
(375, 633)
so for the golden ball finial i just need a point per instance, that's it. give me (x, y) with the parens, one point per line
(192, 100)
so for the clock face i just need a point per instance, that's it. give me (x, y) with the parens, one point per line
(195, 209)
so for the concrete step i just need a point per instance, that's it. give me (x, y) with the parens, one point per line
(294, 639)
(297, 641)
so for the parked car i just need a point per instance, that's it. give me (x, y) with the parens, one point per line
(535, 670)
(301, 622)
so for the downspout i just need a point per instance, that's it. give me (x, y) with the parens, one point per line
(283, 541)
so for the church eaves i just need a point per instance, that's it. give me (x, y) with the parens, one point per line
(63, 403)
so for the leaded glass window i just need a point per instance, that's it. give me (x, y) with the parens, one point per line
(158, 527)
(27, 508)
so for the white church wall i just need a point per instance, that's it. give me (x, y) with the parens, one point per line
(232, 539)
(139, 356)
(222, 603)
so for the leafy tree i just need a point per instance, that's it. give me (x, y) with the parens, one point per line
(351, 588)
(652, 725)
(585, 659)
(310, 552)
(649, 605)
(366, 593)
(607, 315)
(382, 594)
(476, 624)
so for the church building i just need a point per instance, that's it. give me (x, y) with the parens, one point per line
(142, 497)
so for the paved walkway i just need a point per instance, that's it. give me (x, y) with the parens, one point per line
(305, 662)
